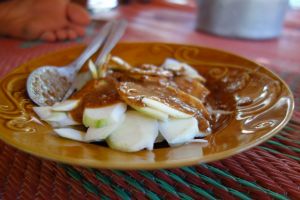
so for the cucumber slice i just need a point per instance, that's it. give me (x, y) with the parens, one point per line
(99, 117)
(137, 132)
(165, 109)
(179, 131)
(67, 105)
(70, 133)
(99, 134)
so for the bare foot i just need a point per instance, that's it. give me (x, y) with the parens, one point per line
(48, 20)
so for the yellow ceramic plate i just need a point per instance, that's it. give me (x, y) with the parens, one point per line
(253, 122)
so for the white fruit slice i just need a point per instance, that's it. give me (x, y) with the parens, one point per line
(60, 119)
(65, 105)
(99, 134)
(70, 133)
(156, 114)
(175, 65)
(119, 63)
(43, 112)
(99, 117)
(137, 132)
(179, 131)
(165, 109)
(56, 117)
(93, 69)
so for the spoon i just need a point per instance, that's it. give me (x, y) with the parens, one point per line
(116, 32)
(49, 84)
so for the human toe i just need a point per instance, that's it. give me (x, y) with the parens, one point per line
(48, 36)
(71, 34)
(78, 14)
(80, 30)
(61, 34)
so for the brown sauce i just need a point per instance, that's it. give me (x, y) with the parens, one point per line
(96, 93)
(177, 91)
(191, 86)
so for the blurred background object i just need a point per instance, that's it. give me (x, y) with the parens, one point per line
(251, 19)
(96, 6)
(295, 4)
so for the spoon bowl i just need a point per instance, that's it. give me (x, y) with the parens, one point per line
(49, 84)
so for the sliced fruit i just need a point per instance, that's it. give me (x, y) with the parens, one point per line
(99, 134)
(137, 132)
(179, 131)
(99, 117)
(82, 79)
(65, 105)
(103, 66)
(175, 65)
(70, 133)
(60, 119)
(156, 114)
(56, 117)
(164, 108)
(93, 69)
(43, 112)
(119, 64)
(167, 99)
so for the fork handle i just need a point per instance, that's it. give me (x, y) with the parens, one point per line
(92, 47)
(117, 31)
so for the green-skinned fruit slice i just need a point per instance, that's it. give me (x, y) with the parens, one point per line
(70, 133)
(99, 117)
(67, 105)
(99, 134)
(164, 108)
(60, 119)
(179, 131)
(189, 71)
(156, 114)
(137, 132)
(43, 112)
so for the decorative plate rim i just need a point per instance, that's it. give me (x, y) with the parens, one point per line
(158, 164)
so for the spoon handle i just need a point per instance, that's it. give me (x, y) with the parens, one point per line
(92, 47)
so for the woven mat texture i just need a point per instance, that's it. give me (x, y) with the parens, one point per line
(268, 171)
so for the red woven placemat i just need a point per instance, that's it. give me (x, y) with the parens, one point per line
(269, 171)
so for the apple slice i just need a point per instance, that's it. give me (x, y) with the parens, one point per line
(179, 131)
(99, 117)
(70, 133)
(164, 108)
(137, 132)
(99, 134)
(65, 105)
(175, 65)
